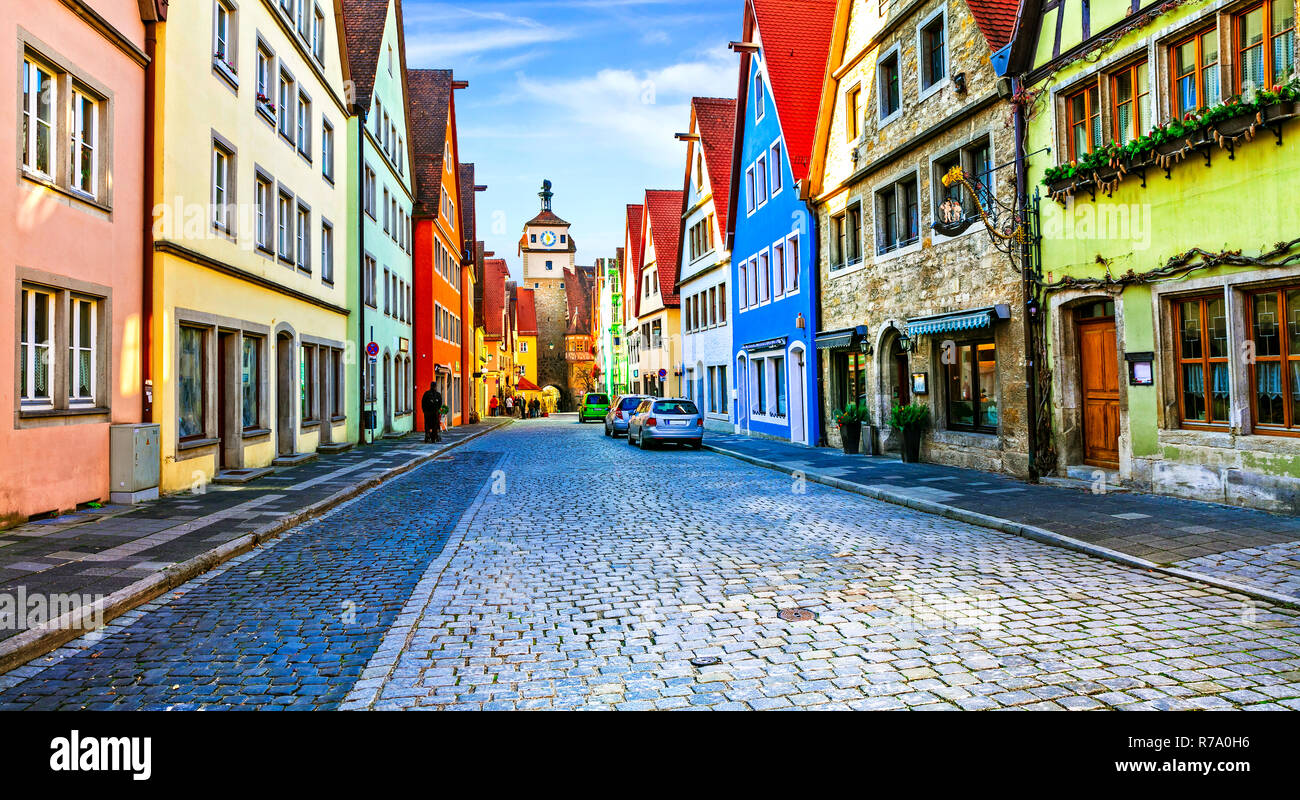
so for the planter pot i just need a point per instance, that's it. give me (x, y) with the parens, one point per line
(870, 440)
(850, 437)
(1235, 126)
(911, 444)
(1063, 185)
(1281, 111)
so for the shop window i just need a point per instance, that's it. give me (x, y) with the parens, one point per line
(1275, 375)
(1202, 351)
(973, 388)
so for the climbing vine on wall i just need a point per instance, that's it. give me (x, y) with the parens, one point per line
(1281, 255)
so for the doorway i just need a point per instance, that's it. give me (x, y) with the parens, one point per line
(1099, 386)
(226, 429)
(900, 389)
(798, 424)
(388, 394)
(286, 444)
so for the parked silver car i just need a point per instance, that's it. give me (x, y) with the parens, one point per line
(666, 420)
(620, 411)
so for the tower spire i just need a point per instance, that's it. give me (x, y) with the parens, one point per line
(546, 194)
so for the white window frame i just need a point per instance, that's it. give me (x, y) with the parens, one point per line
(317, 34)
(742, 275)
(302, 237)
(792, 274)
(264, 215)
(288, 93)
(775, 161)
(284, 208)
(922, 90)
(327, 149)
(302, 117)
(27, 349)
(326, 251)
(32, 69)
(80, 100)
(761, 179)
(750, 191)
(75, 350)
(758, 90)
(223, 174)
(881, 119)
(764, 277)
(778, 281)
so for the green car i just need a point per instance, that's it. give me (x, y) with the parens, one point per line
(595, 405)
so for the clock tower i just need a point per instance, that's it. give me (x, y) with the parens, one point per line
(548, 253)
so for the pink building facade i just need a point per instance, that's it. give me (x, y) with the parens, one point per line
(71, 250)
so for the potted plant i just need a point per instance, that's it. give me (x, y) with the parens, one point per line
(910, 420)
(850, 420)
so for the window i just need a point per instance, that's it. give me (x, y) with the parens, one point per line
(853, 113)
(1275, 375)
(973, 388)
(39, 102)
(760, 387)
(1194, 68)
(387, 207)
(222, 185)
(1265, 40)
(1083, 109)
(327, 149)
(764, 278)
(287, 95)
(778, 383)
(307, 371)
(724, 391)
(778, 178)
(760, 103)
(1202, 351)
(370, 278)
(303, 239)
(284, 213)
(976, 160)
(722, 304)
(1131, 95)
(265, 68)
(778, 269)
(792, 263)
(35, 346)
(390, 59)
(743, 297)
(749, 190)
(898, 217)
(370, 191)
(318, 35)
(304, 28)
(934, 53)
(262, 209)
(760, 179)
(388, 300)
(190, 384)
(223, 38)
(250, 383)
(853, 235)
(887, 87)
(849, 383)
(304, 125)
(326, 252)
(85, 130)
(699, 172)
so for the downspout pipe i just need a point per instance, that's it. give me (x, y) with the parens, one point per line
(1027, 289)
(363, 358)
(146, 222)
(814, 276)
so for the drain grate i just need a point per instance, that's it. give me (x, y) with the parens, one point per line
(796, 614)
(705, 661)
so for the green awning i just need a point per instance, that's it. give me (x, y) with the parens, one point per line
(842, 339)
(958, 320)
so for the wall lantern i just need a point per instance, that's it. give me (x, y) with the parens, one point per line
(799, 322)
(905, 343)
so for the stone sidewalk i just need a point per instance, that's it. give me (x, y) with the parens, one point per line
(105, 551)
(1232, 547)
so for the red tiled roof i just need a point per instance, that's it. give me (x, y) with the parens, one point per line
(525, 312)
(634, 214)
(996, 20)
(494, 296)
(363, 33)
(716, 119)
(546, 218)
(428, 107)
(577, 293)
(525, 385)
(796, 38)
(664, 212)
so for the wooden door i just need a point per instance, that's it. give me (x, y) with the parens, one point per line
(1099, 368)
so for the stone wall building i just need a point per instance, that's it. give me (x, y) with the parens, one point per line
(907, 313)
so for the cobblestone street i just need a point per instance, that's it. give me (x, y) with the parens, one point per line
(546, 566)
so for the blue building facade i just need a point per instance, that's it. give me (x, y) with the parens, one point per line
(773, 265)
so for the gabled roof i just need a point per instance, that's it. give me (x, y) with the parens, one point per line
(634, 214)
(494, 296)
(577, 293)
(663, 213)
(796, 39)
(429, 105)
(547, 217)
(526, 312)
(715, 117)
(363, 25)
(996, 20)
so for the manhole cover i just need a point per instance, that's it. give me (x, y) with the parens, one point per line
(796, 614)
(705, 661)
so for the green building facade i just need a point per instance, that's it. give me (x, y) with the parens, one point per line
(1164, 139)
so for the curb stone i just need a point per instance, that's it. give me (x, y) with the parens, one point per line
(1016, 529)
(18, 650)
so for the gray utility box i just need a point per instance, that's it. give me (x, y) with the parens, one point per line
(135, 456)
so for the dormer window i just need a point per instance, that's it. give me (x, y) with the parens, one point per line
(760, 105)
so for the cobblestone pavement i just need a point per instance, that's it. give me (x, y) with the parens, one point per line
(100, 551)
(595, 575)
(1251, 548)
(288, 626)
(578, 572)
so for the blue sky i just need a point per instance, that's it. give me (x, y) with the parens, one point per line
(587, 93)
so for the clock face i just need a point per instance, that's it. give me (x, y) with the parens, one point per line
(548, 239)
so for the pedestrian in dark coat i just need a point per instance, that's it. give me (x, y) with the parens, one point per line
(431, 406)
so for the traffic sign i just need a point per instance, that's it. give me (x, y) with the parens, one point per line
(372, 349)
(663, 373)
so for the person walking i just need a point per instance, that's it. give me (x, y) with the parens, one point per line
(431, 406)
(537, 408)
(492, 406)
(510, 406)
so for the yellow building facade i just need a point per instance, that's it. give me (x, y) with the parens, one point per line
(249, 292)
